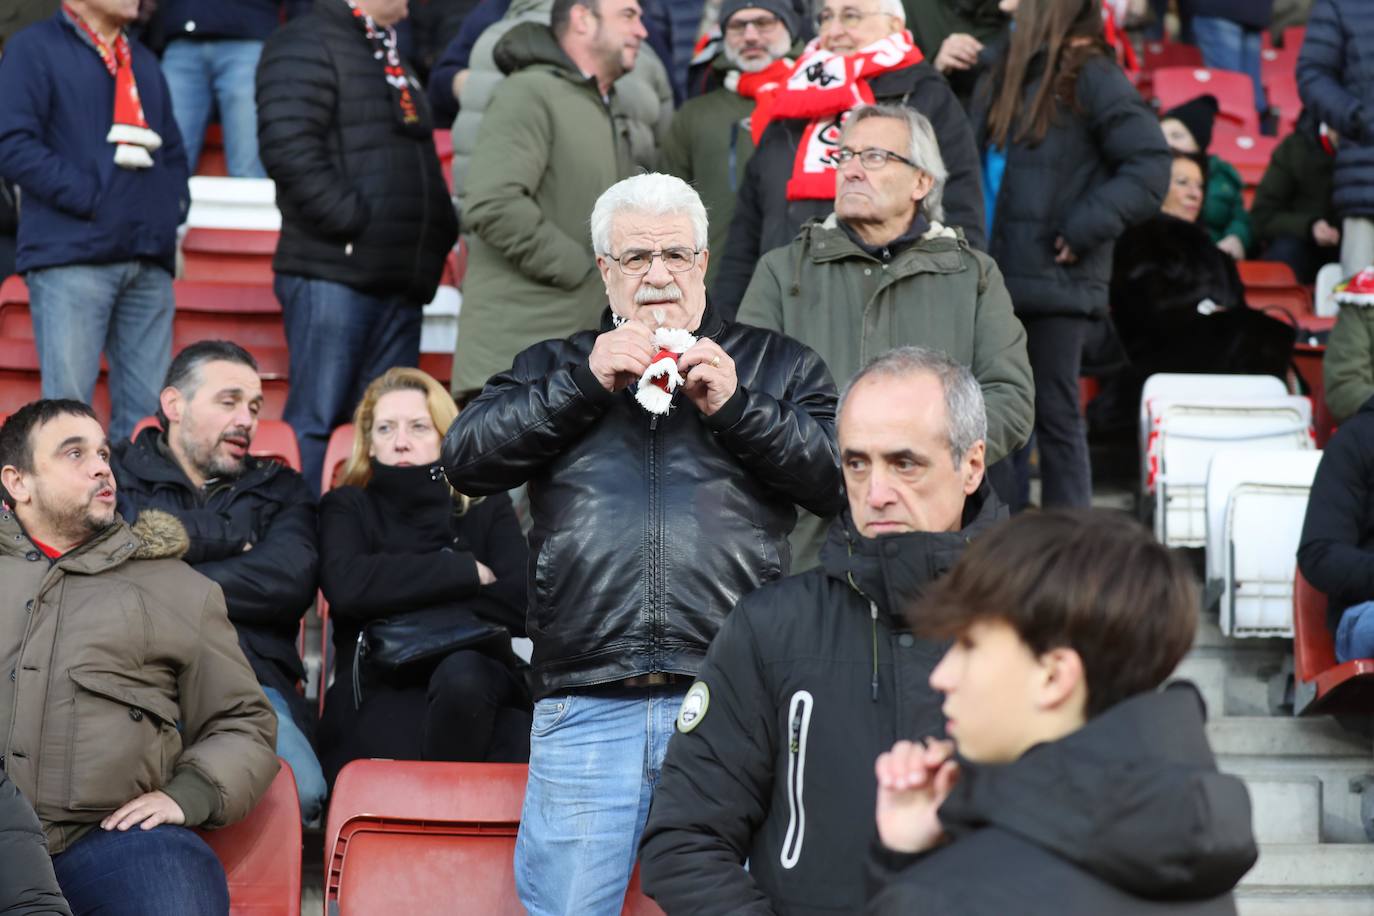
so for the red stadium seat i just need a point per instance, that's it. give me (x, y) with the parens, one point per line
(413, 837)
(1307, 361)
(1266, 274)
(261, 854)
(1235, 93)
(21, 382)
(1272, 285)
(212, 157)
(1249, 153)
(229, 255)
(335, 454)
(1160, 54)
(439, 366)
(443, 145)
(1320, 685)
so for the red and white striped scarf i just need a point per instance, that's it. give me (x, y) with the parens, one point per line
(135, 142)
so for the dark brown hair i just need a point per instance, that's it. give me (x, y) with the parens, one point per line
(1069, 32)
(1091, 580)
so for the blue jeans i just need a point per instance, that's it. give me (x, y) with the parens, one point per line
(1228, 46)
(123, 308)
(1355, 633)
(205, 75)
(166, 871)
(594, 764)
(339, 340)
(295, 749)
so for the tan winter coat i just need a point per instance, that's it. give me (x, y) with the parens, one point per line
(104, 653)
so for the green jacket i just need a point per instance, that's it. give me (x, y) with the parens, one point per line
(932, 21)
(1348, 367)
(549, 148)
(1295, 191)
(850, 306)
(1223, 208)
(708, 146)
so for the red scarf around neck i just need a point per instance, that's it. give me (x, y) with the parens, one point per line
(134, 141)
(823, 87)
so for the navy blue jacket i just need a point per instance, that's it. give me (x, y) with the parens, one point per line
(1253, 14)
(1336, 80)
(456, 57)
(78, 206)
(251, 20)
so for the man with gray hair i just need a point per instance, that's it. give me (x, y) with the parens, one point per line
(663, 453)
(811, 676)
(883, 271)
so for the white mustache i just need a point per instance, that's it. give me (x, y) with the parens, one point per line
(669, 293)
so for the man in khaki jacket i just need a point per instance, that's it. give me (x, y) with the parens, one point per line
(883, 272)
(129, 713)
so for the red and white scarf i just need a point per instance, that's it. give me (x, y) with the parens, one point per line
(409, 117)
(135, 142)
(824, 87)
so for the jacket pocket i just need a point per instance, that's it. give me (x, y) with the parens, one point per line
(799, 727)
(123, 741)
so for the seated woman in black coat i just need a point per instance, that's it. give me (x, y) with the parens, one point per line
(395, 538)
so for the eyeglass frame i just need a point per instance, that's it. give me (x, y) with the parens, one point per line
(656, 253)
(823, 19)
(763, 27)
(844, 154)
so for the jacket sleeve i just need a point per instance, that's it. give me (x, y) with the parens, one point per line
(28, 886)
(26, 85)
(715, 787)
(297, 94)
(1272, 214)
(273, 582)
(228, 729)
(1002, 367)
(522, 419)
(746, 228)
(367, 583)
(1237, 220)
(1323, 81)
(512, 154)
(1329, 553)
(1130, 142)
(675, 154)
(762, 302)
(1348, 368)
(963, 198)
(789, 442)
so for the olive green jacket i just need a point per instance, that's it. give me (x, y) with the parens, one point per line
(850, 306)
(550, 145)
(1348, 367)
(1223, 206)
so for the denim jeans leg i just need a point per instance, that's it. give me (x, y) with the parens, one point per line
(295, 749)
(185, 67)
(166, 871)
(330, 337)
(138, 345)
(235, 64)
(71, 308)
(585, 801)
(1226, 45)
(1355, 633)
(396, 340)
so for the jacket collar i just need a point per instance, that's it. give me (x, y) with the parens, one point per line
(893, 571)
(106, 550)
(150, 459)
(937, 250)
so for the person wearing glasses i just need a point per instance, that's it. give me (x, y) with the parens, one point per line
(709, 143)
(884, 271)
(647, 527)
(863, 53)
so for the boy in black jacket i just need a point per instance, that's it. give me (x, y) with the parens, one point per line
(812, 676)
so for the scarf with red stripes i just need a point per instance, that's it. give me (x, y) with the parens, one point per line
(135, 142)
(410, 118)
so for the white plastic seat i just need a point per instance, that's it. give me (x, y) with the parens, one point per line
(233, 203)
(1186, 434)
(1325, 299)
(1256, 502)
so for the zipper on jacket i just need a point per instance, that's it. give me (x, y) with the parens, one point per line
(873, 607)
(799, 717)
(656, 573)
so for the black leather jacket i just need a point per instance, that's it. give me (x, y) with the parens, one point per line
(648, 530)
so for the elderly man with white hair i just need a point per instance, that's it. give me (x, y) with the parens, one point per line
(885, 271)
(863, 53)
(664, 452)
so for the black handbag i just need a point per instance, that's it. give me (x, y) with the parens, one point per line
(421, 638)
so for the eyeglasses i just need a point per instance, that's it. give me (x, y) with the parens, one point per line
(871, 159)
(764, 24)
(636, 262)
(849, 18)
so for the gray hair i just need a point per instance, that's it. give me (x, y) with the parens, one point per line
(654, 194)
(967, 417)
(893, 8)
(924, 149)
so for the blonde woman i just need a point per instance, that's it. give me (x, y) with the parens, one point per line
(394, 538)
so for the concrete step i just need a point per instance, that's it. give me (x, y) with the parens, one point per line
(1282, 736)
(1231, 686)
(1327, 869)
(1287, 809)
(1297, 904)
(1284, 810)
(1209, 636)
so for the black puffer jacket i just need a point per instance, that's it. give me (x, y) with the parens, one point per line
(1336, 80)
(648, 530)
(1127, 816)
(268, 588)
(1102, 167)
(28, 886)
(765, 219)
(810, 679)
(363, 203)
